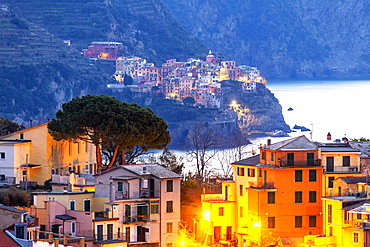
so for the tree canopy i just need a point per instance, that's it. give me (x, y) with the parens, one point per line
(7, 126)
(107, 122)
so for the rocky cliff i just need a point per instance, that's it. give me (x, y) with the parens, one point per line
(294, 38)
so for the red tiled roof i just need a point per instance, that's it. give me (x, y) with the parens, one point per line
(7, 241)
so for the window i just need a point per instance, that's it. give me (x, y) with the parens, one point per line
(241, 190)
(298, 221)
(355, 237)
(73, 228)
(272, 156)
(87, 204)
(120, 186)
(69, 148)
(86, 147)
(169, 185)
(330, 231)
(21, 136)
(99, 232)
(270, 197)
(298, 197)
(154, 207)
(78, 148)
(312, 221)
(169, 245)
(330, 182)
(312, 196)
(251, 172)
(330, 213)
(310, 159)
(221, 211)
(260, 173)
(359, 216)
(169, 206)
(241, 212)
(72, 205)
(346, 161)
(2, 155)
(312, 176)
(271, 222)
(263, 155)
(290, 159)
(240, 171)
(298, 176)
(169, 227)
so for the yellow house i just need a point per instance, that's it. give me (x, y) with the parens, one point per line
(345, 223)
(219, 216)
(32, 155)
(338, 160)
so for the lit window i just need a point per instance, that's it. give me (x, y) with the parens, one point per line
(220, 211)
(271, 222)
(355, 237)
(169, 227)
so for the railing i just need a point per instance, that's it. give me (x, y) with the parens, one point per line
(262, 185)
(342, 169)
(144, 193)
(285, 163)
(115, 236)
(138, 218)
(357, 224)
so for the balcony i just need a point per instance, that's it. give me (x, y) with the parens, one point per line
(357, 224)
(262, 185)
(135, 219)
(342, 169)
(299, 163)
(144, 193)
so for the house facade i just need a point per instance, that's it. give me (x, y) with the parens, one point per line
(32, 155)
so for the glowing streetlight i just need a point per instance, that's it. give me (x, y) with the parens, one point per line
(207, 215)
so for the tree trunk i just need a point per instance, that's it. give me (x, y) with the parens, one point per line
(114, 156)
(123, 160)
(99, 159)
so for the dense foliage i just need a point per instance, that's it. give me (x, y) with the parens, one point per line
(108, 122)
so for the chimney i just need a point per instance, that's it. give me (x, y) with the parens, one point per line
(268, 142)
(328, 137)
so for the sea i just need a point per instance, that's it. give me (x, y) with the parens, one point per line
(340, 107)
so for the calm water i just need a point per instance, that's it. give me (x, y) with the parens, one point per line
(340, 107)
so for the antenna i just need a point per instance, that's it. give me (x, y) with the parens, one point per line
(311, 131)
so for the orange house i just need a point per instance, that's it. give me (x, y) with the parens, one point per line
(280, 193)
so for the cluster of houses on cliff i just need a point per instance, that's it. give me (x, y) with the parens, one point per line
(295, 192)
(177, 80)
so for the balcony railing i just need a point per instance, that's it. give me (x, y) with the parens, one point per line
(144, 193)
(113, 236)
(357, 224)
(134, 219)
(342, 169)
(262, 185)
(286, 163)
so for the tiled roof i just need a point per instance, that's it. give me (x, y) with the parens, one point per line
(364, 147)
(296, 143)
(15, 210)
(251, 161)
(355, 180)
(153, 169)
(7, 241)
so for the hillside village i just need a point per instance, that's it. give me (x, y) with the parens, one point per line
(295, 192)
(195, 78)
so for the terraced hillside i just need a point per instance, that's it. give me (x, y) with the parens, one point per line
(145, 27)
(38, 72)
